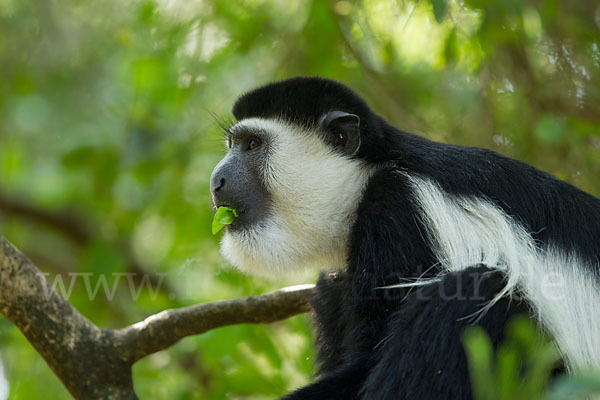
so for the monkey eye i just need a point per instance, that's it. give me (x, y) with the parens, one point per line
(252, 144)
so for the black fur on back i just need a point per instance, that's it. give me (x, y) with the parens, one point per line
(378, 343)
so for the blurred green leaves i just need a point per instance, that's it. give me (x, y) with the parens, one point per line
(578, 387)
(439, 9)
(519, 369)
(550, 129)
(523, 367)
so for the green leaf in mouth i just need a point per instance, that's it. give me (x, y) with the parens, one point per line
(224, 216)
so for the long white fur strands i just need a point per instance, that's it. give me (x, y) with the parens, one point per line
(469, 231)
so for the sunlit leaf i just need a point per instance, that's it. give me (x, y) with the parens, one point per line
(439, 9)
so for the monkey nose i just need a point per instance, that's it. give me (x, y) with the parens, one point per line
(220, 184)
(216, 184)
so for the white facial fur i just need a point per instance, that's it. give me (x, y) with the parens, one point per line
(314, 191)
(566, 299)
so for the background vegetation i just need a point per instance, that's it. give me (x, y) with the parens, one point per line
(109, 128)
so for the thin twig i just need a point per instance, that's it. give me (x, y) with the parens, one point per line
(162, 330)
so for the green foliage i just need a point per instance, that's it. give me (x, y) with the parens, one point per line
(522, 367)
(110, 117)
(578, 387)
(519, 369)
(439, 9)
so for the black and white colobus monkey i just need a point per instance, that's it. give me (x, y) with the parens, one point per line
(321, 180)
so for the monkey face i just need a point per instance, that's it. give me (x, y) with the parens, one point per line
(296, 190)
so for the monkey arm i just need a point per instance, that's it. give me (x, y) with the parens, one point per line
(420, 354)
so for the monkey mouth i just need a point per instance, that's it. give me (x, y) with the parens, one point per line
(216, 207)
(239, 221)
(248, 214)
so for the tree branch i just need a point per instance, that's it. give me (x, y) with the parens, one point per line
(162, 330)
(65, 222)
(70, 343)
(67, 340)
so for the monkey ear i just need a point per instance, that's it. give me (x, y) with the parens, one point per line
(342, 131)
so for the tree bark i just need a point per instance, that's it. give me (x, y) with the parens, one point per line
(95, 363)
